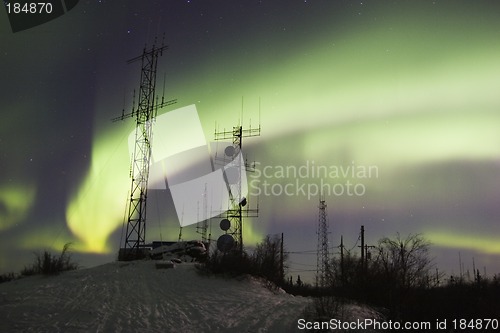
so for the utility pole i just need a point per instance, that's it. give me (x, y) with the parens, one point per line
(460, 265)
(342, 259)
(474, 269)
(282, 258)
(363, 248)
(365, 255)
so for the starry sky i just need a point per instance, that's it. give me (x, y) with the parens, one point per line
(406, 89)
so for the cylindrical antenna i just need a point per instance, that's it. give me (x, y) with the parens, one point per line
(164, 82)
(156, 108)
(241, 117)
(259, 114)
(133, 104)
(123, 109)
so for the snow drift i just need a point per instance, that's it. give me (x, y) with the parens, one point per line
(137, 297)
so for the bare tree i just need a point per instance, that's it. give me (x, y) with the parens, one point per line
(266, 258)
(405, 262)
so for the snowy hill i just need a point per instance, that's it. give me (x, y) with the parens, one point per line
(137, 297)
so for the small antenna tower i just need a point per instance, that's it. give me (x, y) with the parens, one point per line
(233, 223)
(145, 114)
(202, 227)
(322, 268)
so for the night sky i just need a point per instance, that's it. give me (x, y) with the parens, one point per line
(406, 89)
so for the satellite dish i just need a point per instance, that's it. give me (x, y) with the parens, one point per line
(229, 151)
(232, 175)
(225, 224)
(225, 243)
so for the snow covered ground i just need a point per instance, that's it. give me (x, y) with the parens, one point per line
(137, 297)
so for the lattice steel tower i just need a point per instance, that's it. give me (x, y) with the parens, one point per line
(145, 114)
(237, 203)
(322, 268)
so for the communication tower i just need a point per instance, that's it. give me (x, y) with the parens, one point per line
(145, 114)
(232, 224)
(322, 268)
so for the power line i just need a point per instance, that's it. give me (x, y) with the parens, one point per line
(298, 263)
(301, 270)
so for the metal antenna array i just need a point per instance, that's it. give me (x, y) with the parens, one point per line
(145, 114)
(232, 224)
(322, 268)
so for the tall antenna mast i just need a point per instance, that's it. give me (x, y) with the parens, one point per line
(232, 224)
(145, 114)
(322, 268)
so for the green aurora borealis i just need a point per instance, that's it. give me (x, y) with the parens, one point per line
(410, 87)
